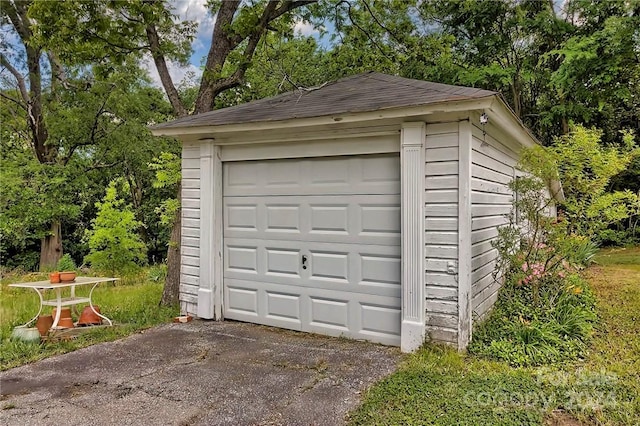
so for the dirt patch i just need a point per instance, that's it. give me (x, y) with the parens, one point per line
(560, 418)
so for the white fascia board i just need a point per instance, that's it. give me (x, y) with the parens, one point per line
(372, 116)
(507, 120)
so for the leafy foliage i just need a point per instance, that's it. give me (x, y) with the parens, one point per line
(115, 247)
(168, 173)
(66, 263)
(586, 168)
(545, 312)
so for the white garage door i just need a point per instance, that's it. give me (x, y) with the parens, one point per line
(314, 245)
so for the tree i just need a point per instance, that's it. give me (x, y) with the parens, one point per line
(586, 169)
(93, 31)
(115, 246)
(91, 122)
(29, 100)
(63, 128)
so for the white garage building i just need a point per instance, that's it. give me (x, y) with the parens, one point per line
(365, 208)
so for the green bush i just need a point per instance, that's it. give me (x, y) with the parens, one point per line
(526, 329)
(545, 313)
(115, 246)
(66, 263)
(157, 273)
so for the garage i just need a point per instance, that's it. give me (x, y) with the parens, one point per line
(365, 208)
(313, 245)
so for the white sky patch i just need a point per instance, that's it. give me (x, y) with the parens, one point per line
(196, 11)
(185, 76)
(305, 28)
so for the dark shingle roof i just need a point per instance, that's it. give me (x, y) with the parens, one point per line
(359, 93)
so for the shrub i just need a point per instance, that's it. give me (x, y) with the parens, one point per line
(526, 329)
(66, 263)
(545, 313)
(157, 273)
(115, 246)
(586, 167)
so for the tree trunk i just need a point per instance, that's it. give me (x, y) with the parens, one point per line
(51, 247)
(171, 291)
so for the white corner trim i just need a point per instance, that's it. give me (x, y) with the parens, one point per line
(465, 139)
(206, 301)
(412, 171)
(216, 259)
(412, 335)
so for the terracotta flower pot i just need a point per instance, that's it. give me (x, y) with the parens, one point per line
(66, 323)
(64, 313)
(44, 323)
(67, 276)
(54, 277)
(88, 317)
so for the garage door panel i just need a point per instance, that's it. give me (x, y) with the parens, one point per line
(370, 174)
(243, 217)
(332, 313)
(282, 261)
(330, 173)
(283, 218)
(331, 266)
(379, 219)
(329, 219)
(343, 215)
(241, 258)
(243, 300)
(380, 320)
(363, 220)
(283, 307)
(380, 269)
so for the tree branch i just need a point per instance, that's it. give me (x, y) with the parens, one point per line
(163, 71)
(223, 43)
(57, 71)
(19, 78)
(365, 32)
(17, 102)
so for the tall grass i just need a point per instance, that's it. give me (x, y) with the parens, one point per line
(131, 303)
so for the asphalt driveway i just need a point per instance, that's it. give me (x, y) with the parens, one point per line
(200, 373)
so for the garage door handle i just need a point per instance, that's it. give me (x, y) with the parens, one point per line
(304, 262)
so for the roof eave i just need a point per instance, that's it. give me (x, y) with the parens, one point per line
(347, 117)
(505, 115)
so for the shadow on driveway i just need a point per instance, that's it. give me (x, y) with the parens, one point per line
(200, 373)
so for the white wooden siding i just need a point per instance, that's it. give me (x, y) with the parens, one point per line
(441, 236)
(493, 167)
(190, 239)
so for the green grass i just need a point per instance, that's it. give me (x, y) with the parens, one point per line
(438, 385)
(131, 303)
(618, 256)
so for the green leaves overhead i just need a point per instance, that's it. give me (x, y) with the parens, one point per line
(105, 33)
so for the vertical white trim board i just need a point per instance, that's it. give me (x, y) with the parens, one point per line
(464, 234)
(412, 171)
(206, 298)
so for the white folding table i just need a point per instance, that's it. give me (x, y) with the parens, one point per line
(59, 301)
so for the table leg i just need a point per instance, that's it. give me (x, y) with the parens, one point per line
(39, 310)
(58, 309)
(93, 309)
(74, 308)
